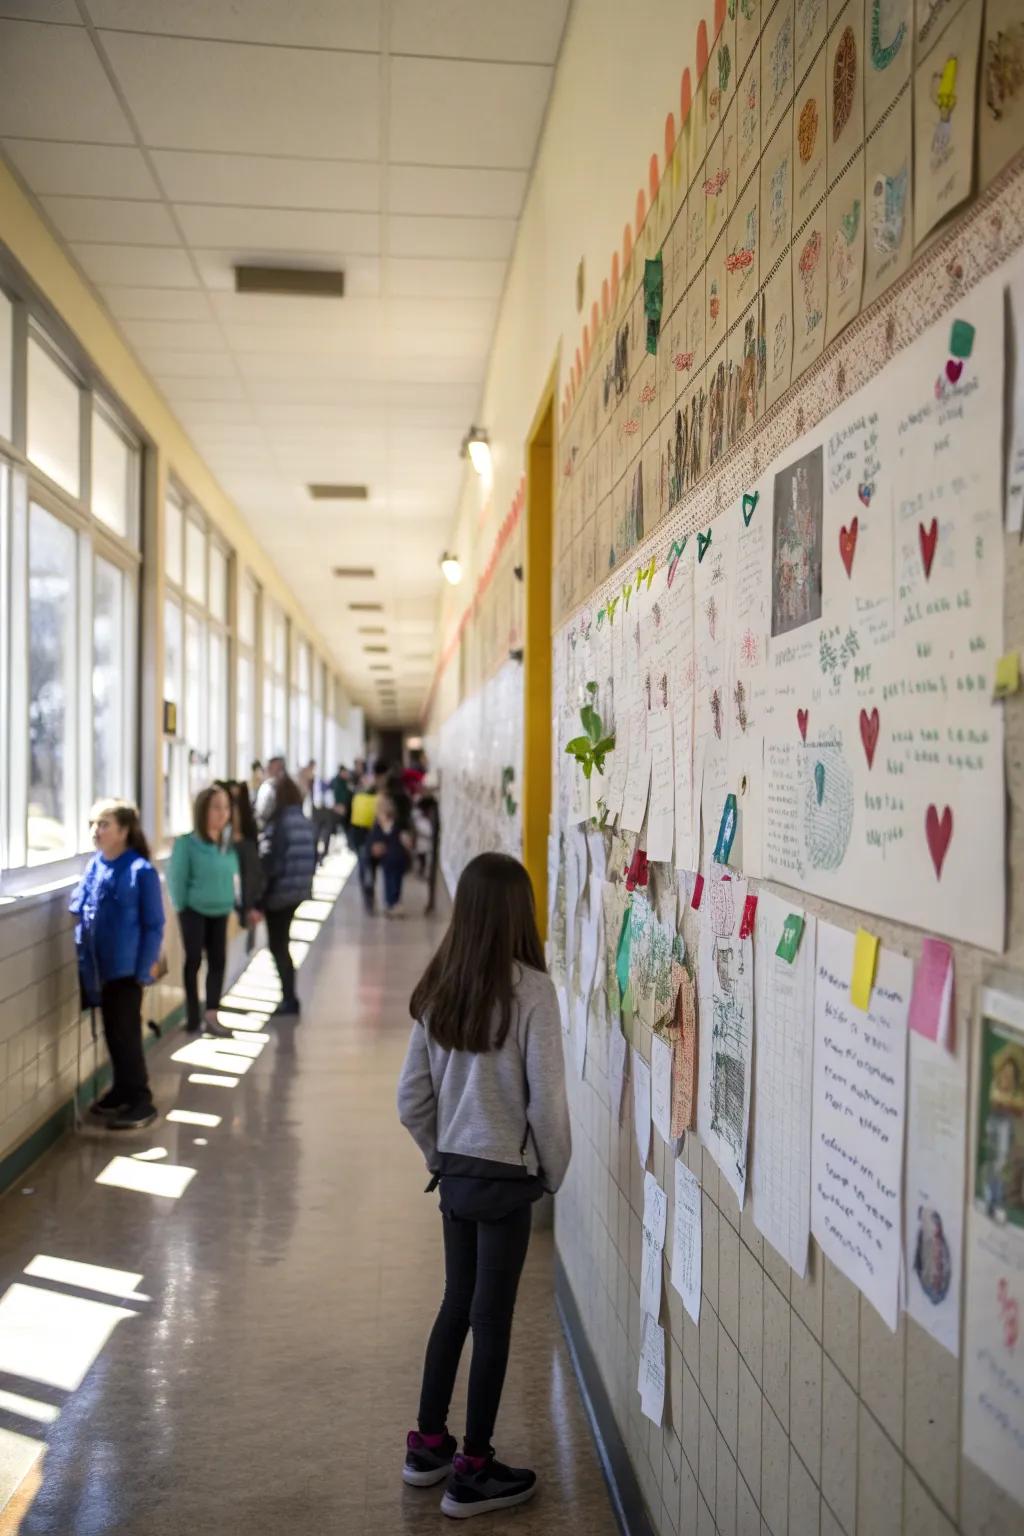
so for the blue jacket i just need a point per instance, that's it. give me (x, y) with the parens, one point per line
(120, 924)
(288, 854)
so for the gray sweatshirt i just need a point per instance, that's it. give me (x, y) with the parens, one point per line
(499, 1106)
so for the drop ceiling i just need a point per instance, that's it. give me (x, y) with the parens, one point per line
(167, 141)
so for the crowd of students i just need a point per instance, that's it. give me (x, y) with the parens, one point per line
(390, 818)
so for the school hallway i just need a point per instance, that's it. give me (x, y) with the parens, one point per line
(249, 1351)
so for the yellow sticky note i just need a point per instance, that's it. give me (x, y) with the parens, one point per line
(1007, 675)
(865, 958)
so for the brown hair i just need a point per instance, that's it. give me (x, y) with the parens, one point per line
(127, 816)
(201, 809)
(287, 793)
(493, 929)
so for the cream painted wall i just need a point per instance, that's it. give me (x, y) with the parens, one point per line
(613, 88)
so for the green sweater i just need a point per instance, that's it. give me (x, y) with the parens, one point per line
(202, 876)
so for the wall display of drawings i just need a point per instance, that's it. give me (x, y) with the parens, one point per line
(481, 756)
(792, 197)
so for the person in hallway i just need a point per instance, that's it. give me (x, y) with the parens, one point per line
(118, 935)
(361, 819)
(256, 777)
(391, 844)
(482, 1092)
(265, 795)
(414, 772)
(341, 800)
(201, 878)
(288, 852)
(245, 841)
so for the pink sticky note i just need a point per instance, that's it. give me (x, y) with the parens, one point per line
(931, 1003)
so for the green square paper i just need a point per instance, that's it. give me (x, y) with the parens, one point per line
(792, 929)
(961, 338)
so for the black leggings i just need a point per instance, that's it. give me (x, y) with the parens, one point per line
(278, 926)
(121, 1005)
(199, 932)
(483, 1261)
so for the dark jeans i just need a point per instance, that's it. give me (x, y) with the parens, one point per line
(121, 1006)
(482, 1261)
(278, 925)
(367, 865)
(201, 933)
(394, 874)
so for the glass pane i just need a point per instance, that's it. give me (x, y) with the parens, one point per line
(107, 681)
(115, 473)
(6, 364)
(269, 631)
(51, 685)
(247, 612)
(304, 677)
(279, 737)
(172, 656)
(195, 722)
(218, 675)
(218, 582)
(172, 540)
(195, 560)
(54, 427)
(280, 642)
(243, 724)
(268, 717)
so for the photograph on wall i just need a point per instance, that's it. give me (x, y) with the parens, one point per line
(796, 544)
(999, 1180)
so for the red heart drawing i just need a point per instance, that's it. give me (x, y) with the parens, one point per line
(801, 720)
(928, 540)
(848, 543)
(954, 368)
(938, 830)
(869, 725)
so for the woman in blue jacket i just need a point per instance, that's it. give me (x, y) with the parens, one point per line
(288, 854)
(118, 936)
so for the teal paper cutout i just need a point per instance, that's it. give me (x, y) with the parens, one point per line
(726, 831)
(622, 953)
(703, 545)
(750, 501)
(654, 292)
(961, 338)
(819, 781)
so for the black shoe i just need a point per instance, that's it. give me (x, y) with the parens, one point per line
(426, 1465)
(287, 1008)
(109, 1104)
(217, 1029)
(480, 1484)
(133, 1117)
(193, 1029)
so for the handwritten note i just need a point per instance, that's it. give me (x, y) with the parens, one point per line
(641, 1105)
(661, 815)
(934, 1204)
(654, 1223)
(686, 1239)
(726, 1034)
(783, 1095)
(651, 1377)
(931, 1003)
(860, 1068)
(661, 1086)
(638, 775)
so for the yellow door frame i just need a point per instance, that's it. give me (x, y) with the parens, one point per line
(538, 577)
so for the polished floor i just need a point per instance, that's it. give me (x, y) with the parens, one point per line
(225, 1334)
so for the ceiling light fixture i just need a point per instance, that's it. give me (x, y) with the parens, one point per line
(451, 568)
(477, 446)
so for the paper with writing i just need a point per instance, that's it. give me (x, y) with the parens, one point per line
(661, 814)
(687, 1240)
(934, 1202)
(858, 1117)
(654, 1222)
(651, 1377)
(661, 1086)
(749, 624)
(726, 1034)
(641, 1105)
(781, 1164)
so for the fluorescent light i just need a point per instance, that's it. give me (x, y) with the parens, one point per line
(476, 445)
(451, 569)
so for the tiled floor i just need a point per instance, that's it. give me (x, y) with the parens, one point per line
(261, 1373)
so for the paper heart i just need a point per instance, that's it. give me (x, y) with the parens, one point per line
(819, 781)
(847, 544)
(869, 726)
(928, 539)
(750, 501)
(938, 830)
(703, 544)
(865, 491)
(954, 368)
(802, 716)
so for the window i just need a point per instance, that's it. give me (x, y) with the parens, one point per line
(108, 682)
(54, 419)
(173, 529)
(217, 761)
(6, 366)
(218, 583)
(195, 560)
(195, 693)
(52, 613)
(244, 744)
(247, 598)
(115, 477)
(275, 680)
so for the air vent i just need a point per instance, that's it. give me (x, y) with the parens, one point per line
(290, 282)
(366, 607)
(380, 666)
(372, 629)
(376, 650)
(355, 572)
(339, 492)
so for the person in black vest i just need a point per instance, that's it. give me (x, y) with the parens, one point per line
(288, 855)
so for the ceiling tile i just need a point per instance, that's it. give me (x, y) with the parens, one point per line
(52, 86)
(443, 112)
(228, 96)
(130, 303)
(276, 229)
(415, 278)
(217, 269)
(111, 221)
(200, 388)
(268, 181)
(165, 363)
(529, 30)
(427, 236)
(148, 266)
(300, 23)
(64, 11)
(87, 170)
(446, 189)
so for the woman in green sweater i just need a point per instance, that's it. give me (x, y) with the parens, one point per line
(202, 878)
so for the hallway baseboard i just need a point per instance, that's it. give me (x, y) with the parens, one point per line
(623, 1489)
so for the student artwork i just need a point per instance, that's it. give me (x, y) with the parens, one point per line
(809, 143)
(778, 333)
(845, 87)
(1001, 131)
(776, 66)
(653, 296)
(888, 244)
(726, 1036)
(889, 48)
(797, 544)
(944, 98)
(810, 288)
(777, 194)
(811, 22)
(845, 220)
(934, 1207)
(748, 135)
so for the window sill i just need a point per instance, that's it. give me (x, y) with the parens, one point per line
(35, 887)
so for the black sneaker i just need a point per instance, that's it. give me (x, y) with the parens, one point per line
(110, 1104)
(479, 1484)
(133, 1117)
(287, 1008)
(426, 1464)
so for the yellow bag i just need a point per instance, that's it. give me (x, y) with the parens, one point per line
(364, 809)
